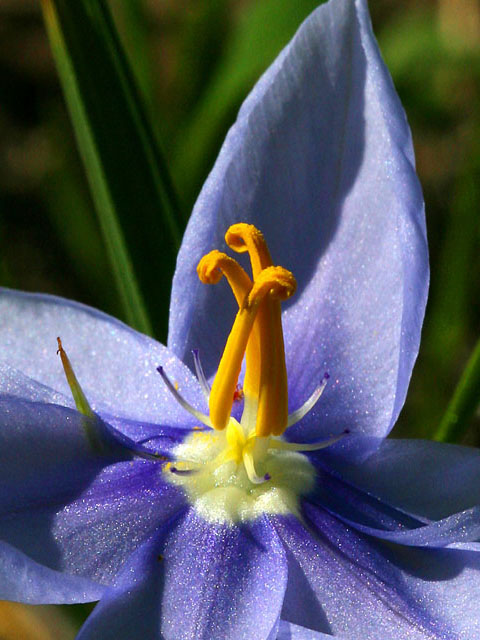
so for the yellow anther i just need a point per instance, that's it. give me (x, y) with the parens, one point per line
(273, 282)
(276, 281)
(243, 237)
(79, 397)
(216, 264)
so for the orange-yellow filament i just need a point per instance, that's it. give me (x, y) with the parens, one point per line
(268, 380)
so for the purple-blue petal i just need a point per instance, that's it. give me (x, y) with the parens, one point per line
(67, 506)
(197, 581)
(130, 608)
(373, 516)
(350, 503)
(24, 580)
(345, 584)
(222, 582)
(320, 158)
(289, 631)
(153, 437)
(459, 527)
(115, 365)
(430, 480)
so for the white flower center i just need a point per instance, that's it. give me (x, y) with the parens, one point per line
(219, 487)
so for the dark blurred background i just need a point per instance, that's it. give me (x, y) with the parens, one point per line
(195, 61)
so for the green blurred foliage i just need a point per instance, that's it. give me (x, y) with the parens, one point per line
(194, 63)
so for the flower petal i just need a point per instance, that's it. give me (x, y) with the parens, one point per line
(448, 580)
(372, 516)
(131, 607)
(24, 580)
(222, 581)
(14, 383)
(320, 158)
(289, 631)
(43, 451)
(115, 365)
(460, 527)
(373, 591)
(64, 505)
(196, 581)
(428, 479)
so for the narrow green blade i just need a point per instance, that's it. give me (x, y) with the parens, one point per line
(128, 178)
(464, 402)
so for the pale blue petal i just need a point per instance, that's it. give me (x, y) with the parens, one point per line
(448, 582)
(15, 384)
(321, 160)
(116, 366)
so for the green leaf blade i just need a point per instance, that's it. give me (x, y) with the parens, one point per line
(131, 188)
(464, 402)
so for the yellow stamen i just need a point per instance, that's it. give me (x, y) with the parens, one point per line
(275, 283)
(257, 332)
(79, 397)
(266, 374)
(216, 264)
(210, 270)
(224, 385)
(243, 237)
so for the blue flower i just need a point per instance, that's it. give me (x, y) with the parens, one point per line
(250, 529)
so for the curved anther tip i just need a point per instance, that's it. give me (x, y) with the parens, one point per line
(208, 269)
(326, 375)
(346, 431)
(236, 234)
(267, 477)
(277, 281)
